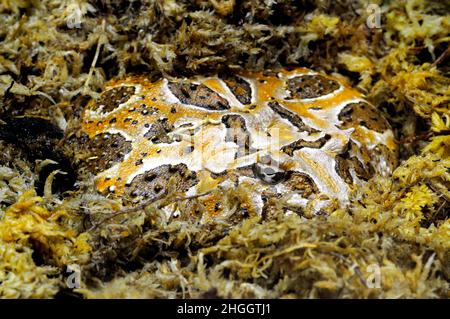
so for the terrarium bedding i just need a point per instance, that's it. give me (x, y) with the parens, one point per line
(224, 149)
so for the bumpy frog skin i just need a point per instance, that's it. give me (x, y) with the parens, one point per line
(295, 133)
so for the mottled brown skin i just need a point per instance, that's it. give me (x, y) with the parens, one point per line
(198, 95)
(240, 88)
(343, 168)
(154, 183)
(111, 98)
(381, 151)
(237, 133)
(349, 160)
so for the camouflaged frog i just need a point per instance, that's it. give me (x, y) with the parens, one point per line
(295, 133)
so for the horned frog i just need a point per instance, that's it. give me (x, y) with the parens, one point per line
(295, 135)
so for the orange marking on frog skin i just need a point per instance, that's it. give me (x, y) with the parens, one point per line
(206, 182)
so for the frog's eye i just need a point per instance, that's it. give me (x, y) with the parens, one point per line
(311, 86)
(198, 95)
(112, 98)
